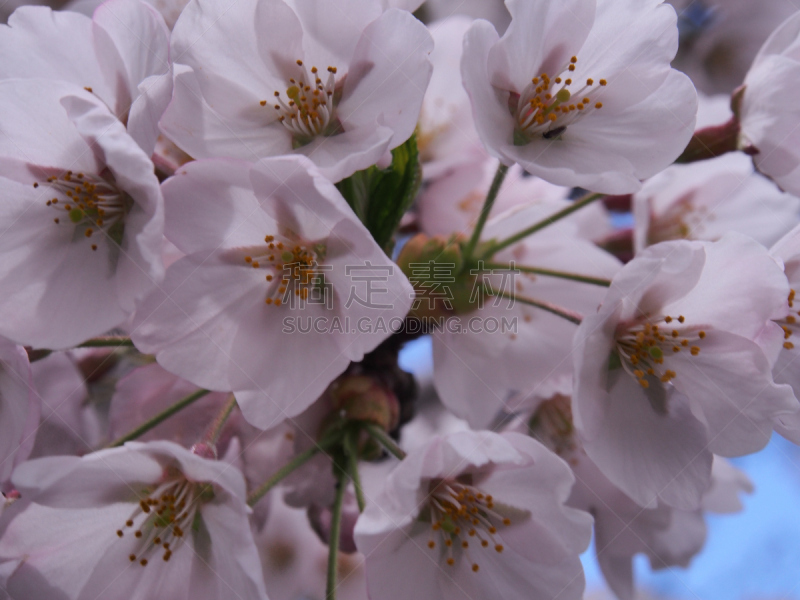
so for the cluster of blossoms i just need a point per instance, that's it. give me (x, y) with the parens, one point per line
(222, 221)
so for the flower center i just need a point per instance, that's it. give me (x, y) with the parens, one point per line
(546, 107)
(164, 515)
(641, 349)
(294, 269)
(679, 222)
(309, 109)
(789, 323)
(460, 512)
(90, 203)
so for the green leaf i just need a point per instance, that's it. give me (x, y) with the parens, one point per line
(380, 197)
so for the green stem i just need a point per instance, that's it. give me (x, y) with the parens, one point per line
(159, 418)
(107, 342)
(333, 539)
(380, 436)
(351, 448)
(297, 462)
(212, 435)
(491, 196)
(549, 273)
(577, 205)
(560, 311)
(35, 354)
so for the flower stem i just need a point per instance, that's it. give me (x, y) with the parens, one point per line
(35, 354)
(549, 273)
(351, 449)
(111, 341)
(297, 462)
(491, 196)
(333, 539)
(159, 418)
(510, 241)
(215, 429)
(380, 436)
(560, 311)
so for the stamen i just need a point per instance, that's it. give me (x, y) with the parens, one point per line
(539, 112)
(95, 204)
(163, 515)
(457, 508)
(310, 111)
(641, 349)
(294, 272)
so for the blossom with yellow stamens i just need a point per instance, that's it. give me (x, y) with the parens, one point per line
(271, 299)
(340, 85)
(143, 521)
(676, 364)
(87, 213)
(572, 90)
(476, 511)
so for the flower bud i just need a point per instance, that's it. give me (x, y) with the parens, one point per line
(205, 450)
(362, 398)
(435, 267)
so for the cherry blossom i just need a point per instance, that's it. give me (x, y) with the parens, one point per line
(279, 270)
(672, 367)
(768, 115)
(475, 515)
(120, 55)
(705, 200)
(555, 96)
(82, 214)
(137, 522)
(341, 86)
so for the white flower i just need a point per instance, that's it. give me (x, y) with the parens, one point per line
(341, 83)
(769, 113)
(139, 522)
(581, 92)
(475, 515)
(82, 215)
(706, 199)
(672, 367)
(121, 55)
(281, 286)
